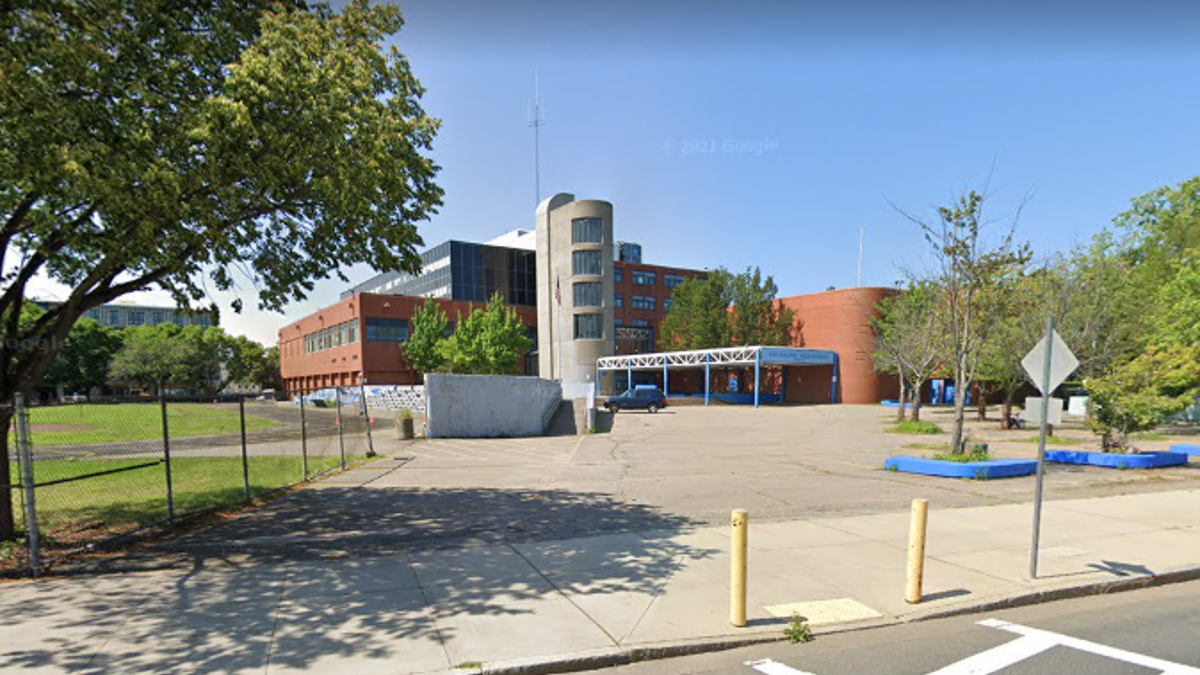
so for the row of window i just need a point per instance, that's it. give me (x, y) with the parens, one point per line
(386, 330)
(589, 326)
(638, 323)
(587, 231)
(642, 302)
(645, 278)
(589, 294)
(587, 262)
(344, 333)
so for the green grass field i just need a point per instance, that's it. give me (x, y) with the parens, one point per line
(95, 508)
(88, 423)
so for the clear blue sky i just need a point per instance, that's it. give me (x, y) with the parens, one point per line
(1079, 108)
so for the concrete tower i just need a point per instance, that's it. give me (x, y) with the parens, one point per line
(575, 263)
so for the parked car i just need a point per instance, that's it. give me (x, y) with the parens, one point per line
(650, 399)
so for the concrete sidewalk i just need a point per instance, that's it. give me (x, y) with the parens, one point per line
(575, 601)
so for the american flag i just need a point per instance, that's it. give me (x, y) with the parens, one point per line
(557, 292)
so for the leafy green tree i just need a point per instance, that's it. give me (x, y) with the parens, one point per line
(488, 341)
(725, 310)
(1142, 393)
(699, 316)
(83, 362)
(971, 274)
(267, 374)
(429, 328)
(756, 318)
(909, 340)
(153, 357)
(155, 144)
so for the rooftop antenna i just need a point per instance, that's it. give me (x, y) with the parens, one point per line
(536, 121)
(861, 234)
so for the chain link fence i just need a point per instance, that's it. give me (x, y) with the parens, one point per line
(86, 475)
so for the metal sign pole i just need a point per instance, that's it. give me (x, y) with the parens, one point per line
(1041, 460)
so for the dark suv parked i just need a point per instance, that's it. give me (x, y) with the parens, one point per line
(650, 400)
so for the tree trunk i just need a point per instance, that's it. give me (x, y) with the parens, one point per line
(7, 494)
(916, 401)
(980, 402)
(903, 396)
(960, 400)
(1006, 414)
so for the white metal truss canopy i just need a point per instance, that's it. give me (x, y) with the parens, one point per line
(727, 356)
(757, 356)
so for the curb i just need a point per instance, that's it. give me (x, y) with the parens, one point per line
(622, 656)
(1131, 583)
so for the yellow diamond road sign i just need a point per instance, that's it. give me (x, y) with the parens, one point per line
(1062, 363)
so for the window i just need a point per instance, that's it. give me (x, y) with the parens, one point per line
(587, 231)
(640, 323)
(588, 294)
(668, 303)
(589, 326)
(353, 331)
(643, 278)
(672, 280)
(586, 262)
(386, 330)
(643, 302)
(618, 274)
(137, 318)
(618, 300)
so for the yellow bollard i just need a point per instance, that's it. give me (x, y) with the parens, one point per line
(738, 537)
(916, 551)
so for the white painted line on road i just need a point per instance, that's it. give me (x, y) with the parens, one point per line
(1167, 667)
(998, 658)
(769, 667)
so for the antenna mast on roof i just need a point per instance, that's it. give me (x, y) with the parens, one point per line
(536, 121)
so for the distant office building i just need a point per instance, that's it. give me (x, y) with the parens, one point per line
(124, 316)
(463, 271)
(582, 296)
(629, 252)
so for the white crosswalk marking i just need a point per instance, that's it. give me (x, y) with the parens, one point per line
(1032, 641)
(1166, 667)
(769, 667)
(998, 658)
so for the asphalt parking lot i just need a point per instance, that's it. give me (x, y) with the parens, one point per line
(682, 467)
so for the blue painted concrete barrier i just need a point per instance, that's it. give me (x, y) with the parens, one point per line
(889, 403)
(1186, 448)
(1113, 460)
(994, 468)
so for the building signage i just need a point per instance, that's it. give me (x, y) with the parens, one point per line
(787, 356)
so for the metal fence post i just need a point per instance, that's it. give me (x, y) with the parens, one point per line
(362, 388)
(303, 437)
(166, 434)
(245, 457)
(25, 457)
(341, 439)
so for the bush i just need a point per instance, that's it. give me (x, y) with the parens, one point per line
(919, 427)
(1142, 394)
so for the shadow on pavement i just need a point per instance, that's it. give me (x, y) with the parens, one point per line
(361, 573)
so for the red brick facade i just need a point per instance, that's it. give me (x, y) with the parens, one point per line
(839, 320)
(381, 362)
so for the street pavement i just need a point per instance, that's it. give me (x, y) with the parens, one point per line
(1148, 631)
(575, 602)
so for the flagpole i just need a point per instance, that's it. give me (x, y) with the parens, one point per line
(558, 348)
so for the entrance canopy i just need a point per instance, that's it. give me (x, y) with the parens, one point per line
(756, 356)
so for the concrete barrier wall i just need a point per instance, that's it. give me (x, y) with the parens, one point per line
(486, 406)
